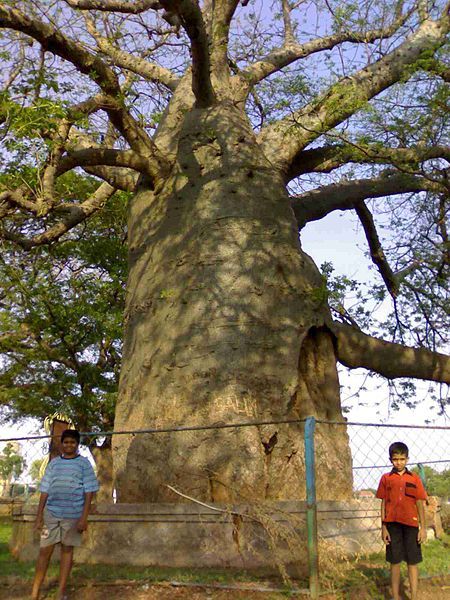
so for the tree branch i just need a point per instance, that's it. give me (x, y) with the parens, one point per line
(76, 214)
(157, 164)
(376, 250)
(291, 51)
(327, 158)
(356, 349)
(284, 140)
(102, 156)
(135, 64)
(91, 65)
(192, 21)
(119, 178)
(345, 195)
(222, 13)
(121, 6)
(289, 37)
(54, 41)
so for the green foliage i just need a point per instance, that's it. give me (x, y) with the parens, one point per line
(62, 322)
(437, 482)
(12, 463)
(28, 121)
(61, 340)
(35, 469)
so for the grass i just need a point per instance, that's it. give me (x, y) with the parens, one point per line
(372, 573)
(369, 572)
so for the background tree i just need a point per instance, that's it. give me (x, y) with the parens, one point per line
(12, 465)
(437, 482)
(234, 126)
(35, 470)
(61, 324)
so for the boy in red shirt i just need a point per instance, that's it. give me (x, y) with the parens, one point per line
(403, 518)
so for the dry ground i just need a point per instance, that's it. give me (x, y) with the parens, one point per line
(436, 589)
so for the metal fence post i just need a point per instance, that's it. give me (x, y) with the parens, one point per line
(311, 508)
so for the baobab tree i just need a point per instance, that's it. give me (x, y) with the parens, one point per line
(233, 126)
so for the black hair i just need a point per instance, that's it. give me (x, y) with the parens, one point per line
(398, 448)
(70, 433)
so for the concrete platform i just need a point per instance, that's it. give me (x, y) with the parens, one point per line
(189, 535)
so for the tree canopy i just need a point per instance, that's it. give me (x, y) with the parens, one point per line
(61, 321)
(346, 101)
(12, 465)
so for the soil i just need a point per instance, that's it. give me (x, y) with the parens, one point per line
(430, 589)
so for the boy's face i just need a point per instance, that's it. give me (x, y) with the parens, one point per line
(69, 446)
(399, 461)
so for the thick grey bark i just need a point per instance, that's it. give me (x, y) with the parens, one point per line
(224, 323)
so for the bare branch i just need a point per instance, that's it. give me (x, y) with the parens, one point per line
(15, 72)
(222, 13)
(284, 140)
(289, 37)
(422, 8)
(376, 249)
(121, 6)
(125, 60)
(291, 51)
(48, 197)
(327, 158)
(191, 19)
(76, 214)
(102, 156)
(119, 178)
(87, 63)
(54, 41)
(345, 195)
(356, 349)
(18, 199)
(157, 164)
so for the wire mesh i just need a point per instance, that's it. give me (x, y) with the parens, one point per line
(369, 443)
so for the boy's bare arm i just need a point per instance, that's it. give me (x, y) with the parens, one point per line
(384, 531)
(82, 521)
(422, 534)
(39, 521)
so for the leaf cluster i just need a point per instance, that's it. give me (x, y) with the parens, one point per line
(61, 324)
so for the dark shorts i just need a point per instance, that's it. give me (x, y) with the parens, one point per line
(404, 544)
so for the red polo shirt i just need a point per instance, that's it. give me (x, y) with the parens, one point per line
(400, 494)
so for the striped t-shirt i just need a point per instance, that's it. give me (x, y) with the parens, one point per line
(66, 480)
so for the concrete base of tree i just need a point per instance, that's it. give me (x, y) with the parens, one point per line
(190, 535)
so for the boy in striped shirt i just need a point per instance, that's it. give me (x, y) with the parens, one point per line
(67, 488)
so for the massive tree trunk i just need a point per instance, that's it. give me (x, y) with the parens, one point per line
(225, 322)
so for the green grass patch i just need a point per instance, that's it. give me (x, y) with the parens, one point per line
(372, 572)
(8, 565)
(338, 574)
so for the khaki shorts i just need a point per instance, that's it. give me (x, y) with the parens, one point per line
(57, 531)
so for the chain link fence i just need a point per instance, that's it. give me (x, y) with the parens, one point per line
(369, 442)
(21, 462)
